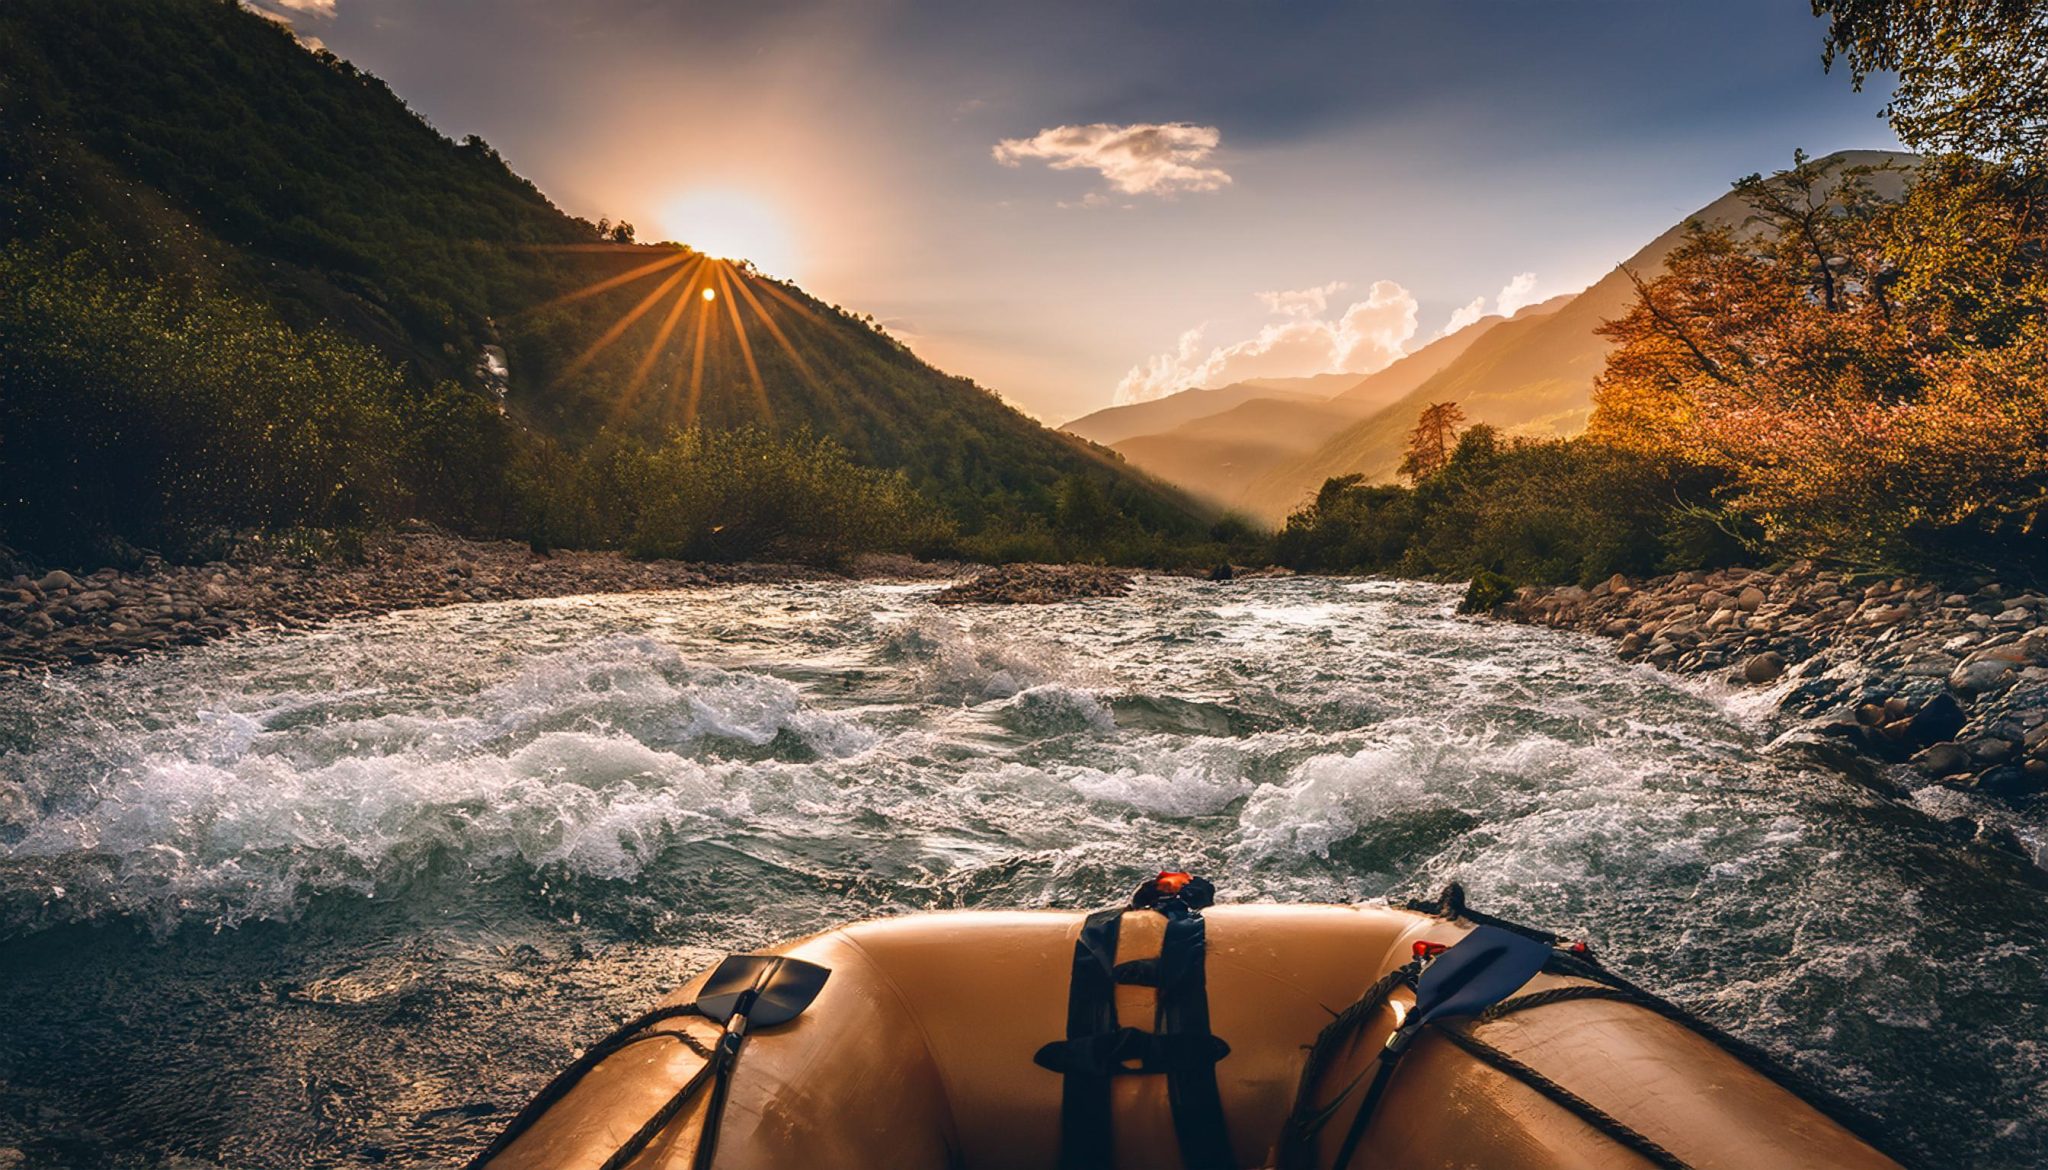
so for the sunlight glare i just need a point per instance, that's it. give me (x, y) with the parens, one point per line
(710, 294)
(733, 225)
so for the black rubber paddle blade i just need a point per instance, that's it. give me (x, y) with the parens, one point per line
(782, 988)
(1480, 970)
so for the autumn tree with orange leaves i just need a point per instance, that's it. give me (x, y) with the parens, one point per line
(1871, 374)
(1431, 442)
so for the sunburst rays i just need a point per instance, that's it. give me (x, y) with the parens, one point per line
(727, 297)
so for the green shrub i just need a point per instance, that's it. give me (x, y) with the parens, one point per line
(1487, 592)
(1550, 512)
(144, 412)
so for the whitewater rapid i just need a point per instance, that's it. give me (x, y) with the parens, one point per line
(346, 896)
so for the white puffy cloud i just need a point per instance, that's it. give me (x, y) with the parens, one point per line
(1366, 337)
(1468, 313)
(1144, 158)
(1303, 302)
(1517, 294)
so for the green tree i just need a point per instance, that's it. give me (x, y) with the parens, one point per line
(1083, 512)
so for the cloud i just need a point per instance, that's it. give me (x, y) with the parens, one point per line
(1144, 158)
(309, 7)
(1303, 302)
(1465, 314)
(1366, 337)
(1093, 200)
(1517, 294)
(287, 12)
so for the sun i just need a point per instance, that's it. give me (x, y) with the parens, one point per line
(732, 225)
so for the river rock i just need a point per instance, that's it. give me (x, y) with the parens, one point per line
(1978, 674)
(56, 579)
(1027, 584)
(2010, 782)
(1943, 759)
(1764, 668)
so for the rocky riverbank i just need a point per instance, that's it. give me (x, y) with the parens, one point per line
(58, 617)
(1036, 585)
(1954, 683)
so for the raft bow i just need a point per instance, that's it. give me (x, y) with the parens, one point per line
(999, 1040)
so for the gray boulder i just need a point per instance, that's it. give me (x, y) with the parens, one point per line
(1980, 674)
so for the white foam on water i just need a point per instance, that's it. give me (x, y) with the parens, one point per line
(641, 681)
(1330, 797)
(589, 760)
(1054, 709)
(1194, 788)
(957, 660)
(255, 839)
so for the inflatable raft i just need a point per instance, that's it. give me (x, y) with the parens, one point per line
(1172, 1034)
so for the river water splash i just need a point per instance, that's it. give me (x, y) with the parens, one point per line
(348, 897)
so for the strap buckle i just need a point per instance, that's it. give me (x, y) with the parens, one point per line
(1174, 890)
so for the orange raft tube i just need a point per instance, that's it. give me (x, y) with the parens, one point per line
(918, 1054)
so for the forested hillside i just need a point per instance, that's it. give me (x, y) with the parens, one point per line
(202, 221)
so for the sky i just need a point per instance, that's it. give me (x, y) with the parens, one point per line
(1078, 204)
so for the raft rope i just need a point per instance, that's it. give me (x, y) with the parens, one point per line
(1297, 1149)
(1585, 1110)
(631, 1032)
(1579, 962)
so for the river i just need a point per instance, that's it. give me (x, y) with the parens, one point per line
(347, 897)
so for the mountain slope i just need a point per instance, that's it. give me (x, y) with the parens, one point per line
(1216, 456)
(195, 142)
(1529, 376)
(1112, 425)
(1398, 380)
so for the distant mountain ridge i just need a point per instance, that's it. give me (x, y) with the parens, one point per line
(1530, 376)
(1266, 454)
(1216, 454)
(1113, 424)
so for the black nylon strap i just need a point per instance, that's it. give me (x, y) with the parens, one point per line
(1097, 1049)
(1091, 1012)
(1184, 1016)
(1111, 1053)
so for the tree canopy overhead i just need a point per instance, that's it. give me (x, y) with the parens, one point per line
(1972, 74)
